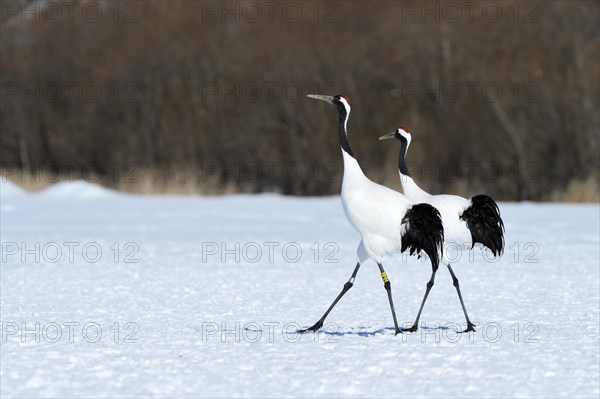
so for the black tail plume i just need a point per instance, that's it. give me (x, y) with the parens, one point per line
(424, 232)
(484, 221)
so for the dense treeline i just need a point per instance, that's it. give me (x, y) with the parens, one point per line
(209, 97)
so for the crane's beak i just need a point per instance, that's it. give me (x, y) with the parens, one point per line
(388, 136)
(327, 99)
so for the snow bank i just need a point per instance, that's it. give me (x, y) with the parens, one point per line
(77, 190)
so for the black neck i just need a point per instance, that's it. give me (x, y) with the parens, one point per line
(402, 157)
(343, 134)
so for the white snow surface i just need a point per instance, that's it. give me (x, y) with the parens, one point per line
(184, 322)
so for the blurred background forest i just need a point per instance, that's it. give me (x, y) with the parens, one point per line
(209, 97)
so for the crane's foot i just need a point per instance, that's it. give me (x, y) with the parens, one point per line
(317, 326)
(398, 331)
(470, 328)
(412, 329)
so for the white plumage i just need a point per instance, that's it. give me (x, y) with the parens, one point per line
(375, 211)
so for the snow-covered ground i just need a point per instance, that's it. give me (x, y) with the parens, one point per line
(109, 295)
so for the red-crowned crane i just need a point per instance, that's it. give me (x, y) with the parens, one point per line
(466, 221)
(387, 221)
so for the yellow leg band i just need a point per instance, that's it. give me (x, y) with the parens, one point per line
(384, 277)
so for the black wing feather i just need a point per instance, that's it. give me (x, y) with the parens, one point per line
(425, 232)
(484, 221)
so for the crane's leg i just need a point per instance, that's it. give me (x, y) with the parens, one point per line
(429, 285)
(347, 286)
(470, 326)
(388, 288)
